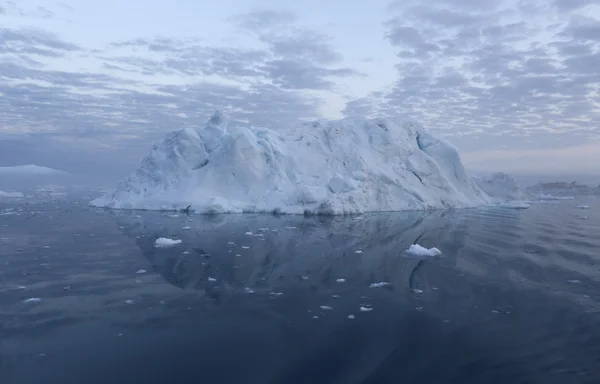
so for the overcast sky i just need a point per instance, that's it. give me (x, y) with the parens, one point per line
(88, 86)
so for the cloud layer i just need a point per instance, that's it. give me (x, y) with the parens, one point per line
(490, 75)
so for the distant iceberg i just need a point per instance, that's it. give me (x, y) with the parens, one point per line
(346, 166)
(10, 194)
(500, 186)
(30, 169)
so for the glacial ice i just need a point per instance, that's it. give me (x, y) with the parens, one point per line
(346, 166)
(10, 194)
(500, 186)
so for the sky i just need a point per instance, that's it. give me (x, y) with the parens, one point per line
(88, 86)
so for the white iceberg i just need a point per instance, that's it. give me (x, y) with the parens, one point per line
(10, 194)
(500, 186)
(347, 166)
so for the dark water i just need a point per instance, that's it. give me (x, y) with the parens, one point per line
(514, 298)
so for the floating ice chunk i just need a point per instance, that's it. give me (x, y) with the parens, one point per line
(32, 300)
(365, 309)
(212, 279)
(231, 243)
(186, 228)
(417, 290)
(162, 242)
(574, 281)
(326, 308)
(304, 277)
(335, 296)
(129, 301)
(185, 252)
(21, 287)
(584, 217)
(340, 281)
(276, 293)
(291, 228)
(516, 204)
(351, 317)
(245, 247)
(359, 251)
(583, 206)
(315, 317)
(495, 311)
(379, 285)
(140, 271)
(248, 290)
(417, 250)
(419, 308)
(46, 246)
(248, 233)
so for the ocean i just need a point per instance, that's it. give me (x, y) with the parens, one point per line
(86, 296)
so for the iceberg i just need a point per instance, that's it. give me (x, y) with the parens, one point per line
(30, 169)
(500, 186)
(346, 166)
(11, 194)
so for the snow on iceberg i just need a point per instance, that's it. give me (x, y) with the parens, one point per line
(10, 194)
(327, 167)
(500, 186)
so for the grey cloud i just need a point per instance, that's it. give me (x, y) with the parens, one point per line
(291, 74)
(32, 41)
(571, 5)
(261, 20)
(448, 18)
(304, 46)
(13, 8)
(582, 29)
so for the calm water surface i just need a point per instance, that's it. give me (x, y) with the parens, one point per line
(514, 298)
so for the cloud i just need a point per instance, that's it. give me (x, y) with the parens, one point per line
(33, 42)
(12, 8)
(480, 71)
(262, 20)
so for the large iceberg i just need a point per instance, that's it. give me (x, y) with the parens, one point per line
(500, 186)
(346, 166)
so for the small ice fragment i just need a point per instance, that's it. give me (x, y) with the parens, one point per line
(212, 279)
(584, 217)
(340, 281)
(67, 288)
(417, 290)
(248, 290)
(129, 301)
(276, 293)
(290, 228)
(379, 285)
(238, 254)
(186, 252)
(165, 242)
(248, 233)
(46, 246)
(245, 247)
(140, 271)
(335, 296)
(162, 302)
(417, 250)
(137, 281)
(120, 334)
(326, 308)
(262, 229)
(583, 206)
(21, 287)
(315, 317)
(574, 281)
(174, 215)
(231, 243)
(435, 288)
(186, 228)
(304, 277)
(419, 308)
(365, 309)
(42, 355)
(32, 300)
(586, 296)
(495, 311)
(359, 251)
(351, 317)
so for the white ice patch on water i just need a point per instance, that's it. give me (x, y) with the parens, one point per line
(516, 204)
(359, 251)
(186, 228)
(365, 309)
(165, 242)
(32, 300)
(245, 247)
(351, 317)
(248, 290)
(379, 285)
(417, 250)
(340, 281)
(326, 307)
(417, 290)
(129, 301)
(140, 271)
(212, 279)
(583, 206)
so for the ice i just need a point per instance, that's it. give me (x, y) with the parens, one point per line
(245, 247)
(583, 206)
(11, 194)
(129, 301)
(417, 250)
(359, 251)
(516, 204)
(212, 279)
(500, 186)
(165, 242)
(418, 291)
(326, 307)
(574, 281)
(30, 169)
(248, 290)
(351, 317)
(32, 300)
(379, 285)
(186, 228)
(140, 271)
(365, 309)
(340, 281)
(346, 166)
(543, 196)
